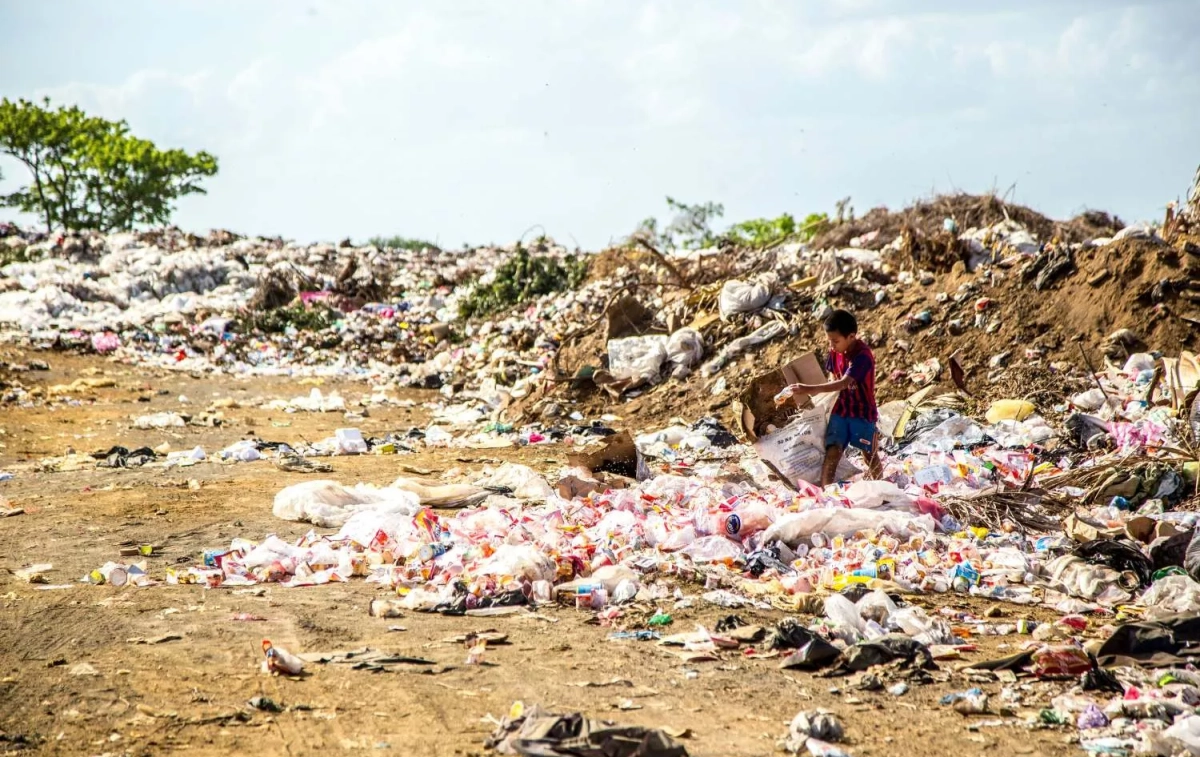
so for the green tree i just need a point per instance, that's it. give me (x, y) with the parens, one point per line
(691, 227)
(88, 172)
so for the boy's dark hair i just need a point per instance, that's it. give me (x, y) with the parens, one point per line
(842, 322)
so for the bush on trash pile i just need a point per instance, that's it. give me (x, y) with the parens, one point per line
(521, 278)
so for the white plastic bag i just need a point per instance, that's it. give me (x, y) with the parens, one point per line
(794, 528)
(876, 606)
(1171, 595)
(519, 561)
(713, 549)
(350, 441)
(743, 297)
(525, 482)
(842, 611)
(764, 333)
(684, 349)
(880, 495)
(638, 358)
(328, 504)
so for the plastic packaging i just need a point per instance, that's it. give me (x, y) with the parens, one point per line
(1009, 410)
(1060, 661)
(518, 561)
(1171, 595)
(713, 549)
(685, 349)
(743, 297)
(876, 606)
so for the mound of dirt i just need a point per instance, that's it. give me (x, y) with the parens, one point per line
(926, 218)
(1144, 286)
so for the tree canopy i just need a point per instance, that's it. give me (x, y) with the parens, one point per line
(88, 172)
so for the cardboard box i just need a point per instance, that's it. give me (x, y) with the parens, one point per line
(790, 439)
(757, 415)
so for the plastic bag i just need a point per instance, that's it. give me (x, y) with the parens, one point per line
(765, 333)
(794, 528)
(876, 606)
(743, 297)
(1171, 595)
(365, 526)
(1009, 410)
(639, 358)
(518, 561)
(350, 441)
(1083, 580)
(243, 451)
(685, 348)
(880, 495)
(713, 549)
(524, 482)
(1183, 736)
(328, 504)
(950, 433)
(1032, 430)
(845, 615)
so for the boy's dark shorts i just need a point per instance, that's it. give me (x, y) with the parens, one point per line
(845, 432)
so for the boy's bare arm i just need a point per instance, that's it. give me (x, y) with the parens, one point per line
(794, 389)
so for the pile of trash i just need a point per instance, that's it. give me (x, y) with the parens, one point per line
(636, 326)
(1033, 477)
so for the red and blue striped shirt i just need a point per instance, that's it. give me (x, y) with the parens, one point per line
(858, 399)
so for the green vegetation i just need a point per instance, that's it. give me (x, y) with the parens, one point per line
(521, 278)
(691, 228)
(401, 243)
(313, 317)
(91, 173)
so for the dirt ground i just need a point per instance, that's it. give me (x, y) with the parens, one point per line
(75, 680)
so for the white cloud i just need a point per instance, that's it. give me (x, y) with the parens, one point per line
(475, 122)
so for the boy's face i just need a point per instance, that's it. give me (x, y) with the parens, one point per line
(839, 343)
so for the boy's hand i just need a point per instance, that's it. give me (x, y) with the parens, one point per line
(789, 392)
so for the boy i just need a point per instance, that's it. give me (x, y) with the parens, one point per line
(855, 413)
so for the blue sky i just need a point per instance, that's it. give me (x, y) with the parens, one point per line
(474, 121)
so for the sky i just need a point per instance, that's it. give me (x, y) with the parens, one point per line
(485, 121)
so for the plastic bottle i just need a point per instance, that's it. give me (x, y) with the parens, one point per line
(280, 661)
(746, 520)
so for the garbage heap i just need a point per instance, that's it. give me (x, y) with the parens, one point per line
(1046, 472)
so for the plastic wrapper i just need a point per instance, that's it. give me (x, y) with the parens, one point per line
(524, 482)
(1060, 661)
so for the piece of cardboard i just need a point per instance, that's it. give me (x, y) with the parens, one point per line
(617, 455)
(758, 411)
